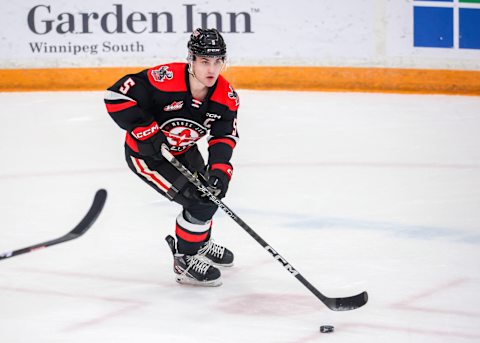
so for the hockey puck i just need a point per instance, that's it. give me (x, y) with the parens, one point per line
(326, 328)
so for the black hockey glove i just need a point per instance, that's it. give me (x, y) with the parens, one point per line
(217, 183)
(152, 147)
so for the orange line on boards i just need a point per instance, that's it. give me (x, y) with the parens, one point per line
(389, 80)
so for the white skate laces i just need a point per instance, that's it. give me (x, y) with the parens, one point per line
(192, 263)
(213, 249)
(196, 264)
(216, 254)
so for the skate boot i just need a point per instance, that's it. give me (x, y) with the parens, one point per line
(192, 269)
(216, 254)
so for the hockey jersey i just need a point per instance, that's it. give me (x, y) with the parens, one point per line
(158, 101)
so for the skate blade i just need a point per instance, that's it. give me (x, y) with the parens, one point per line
(206, 259)
(220, 265)
(193, 282)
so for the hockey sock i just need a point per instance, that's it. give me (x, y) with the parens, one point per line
(191, 236)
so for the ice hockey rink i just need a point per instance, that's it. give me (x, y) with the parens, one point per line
(375, 192)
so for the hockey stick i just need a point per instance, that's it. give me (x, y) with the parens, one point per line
(80, 229)
(335, 304)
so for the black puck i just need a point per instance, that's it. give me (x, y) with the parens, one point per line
(326, 328)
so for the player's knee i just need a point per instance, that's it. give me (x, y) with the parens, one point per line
(201, 211)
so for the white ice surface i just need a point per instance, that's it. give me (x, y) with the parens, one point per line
(357, 191)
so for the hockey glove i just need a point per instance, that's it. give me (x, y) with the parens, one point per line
(217, 183)
(151, 147)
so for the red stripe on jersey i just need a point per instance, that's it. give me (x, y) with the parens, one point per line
(149, 175)
(225, 95)
(228, 141)
(226, 168)
(187, 236)
(111, 108)
(131, 142)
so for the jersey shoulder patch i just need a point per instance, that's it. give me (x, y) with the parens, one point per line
(168, 77)
(225, 94)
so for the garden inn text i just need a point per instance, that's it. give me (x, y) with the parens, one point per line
(45, 19)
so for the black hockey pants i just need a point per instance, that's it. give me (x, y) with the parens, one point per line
(192, 228)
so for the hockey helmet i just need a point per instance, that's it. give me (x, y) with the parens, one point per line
(206, 42)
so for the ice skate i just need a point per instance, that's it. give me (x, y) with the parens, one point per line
(192, 269)
(216, 254)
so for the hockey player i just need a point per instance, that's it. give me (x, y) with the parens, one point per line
(177, 104)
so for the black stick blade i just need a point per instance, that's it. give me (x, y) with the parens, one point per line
(79, 230)
(92, 215)
(348, 303)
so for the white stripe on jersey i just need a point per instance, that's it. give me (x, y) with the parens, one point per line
(110, 95)
(152, 176)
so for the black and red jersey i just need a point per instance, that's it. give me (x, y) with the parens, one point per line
(158, 101)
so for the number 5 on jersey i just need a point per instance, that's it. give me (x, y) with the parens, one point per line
(127, 85)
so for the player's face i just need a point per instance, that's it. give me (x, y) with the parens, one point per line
(207, 69)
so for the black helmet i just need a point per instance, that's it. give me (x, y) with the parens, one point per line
(207, 42)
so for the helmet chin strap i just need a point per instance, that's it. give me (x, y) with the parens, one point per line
(190, 58)
(191, 72)
(190, 69)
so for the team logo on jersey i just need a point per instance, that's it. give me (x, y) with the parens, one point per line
(234, 96)
(162, 73)
(174, 106)
(182, 133)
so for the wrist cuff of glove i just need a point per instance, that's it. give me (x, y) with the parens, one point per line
(152, 146)
(225, 168)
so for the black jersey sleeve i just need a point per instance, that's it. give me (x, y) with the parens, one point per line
(223, 139)
(128, 102)
(224, 131)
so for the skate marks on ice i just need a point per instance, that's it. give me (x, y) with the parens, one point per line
(113, 306)
(269, 304)
(422, 312)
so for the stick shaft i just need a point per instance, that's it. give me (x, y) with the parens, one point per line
(336, 304)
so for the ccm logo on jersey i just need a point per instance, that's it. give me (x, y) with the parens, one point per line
(213, 115)
(174, 106)
(162, 73)
(143, 133)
